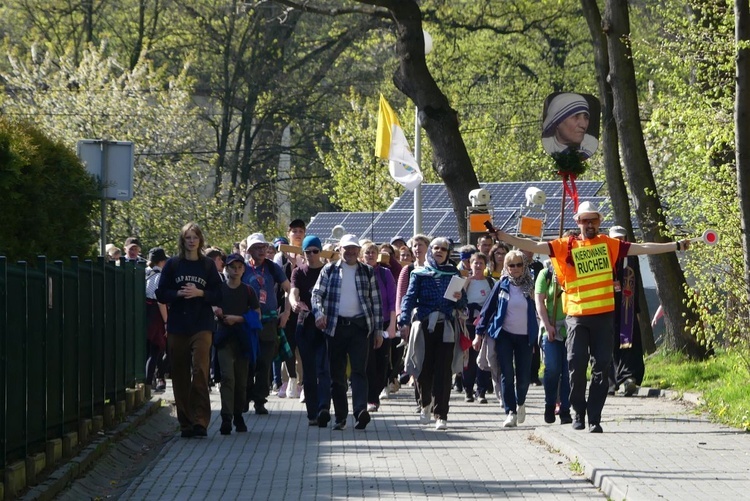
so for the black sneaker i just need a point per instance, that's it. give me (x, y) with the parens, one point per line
(226, 426)
(565, 417)
(324, 416)
(579, 423)
(340, 425)
(469, 397)
(312, 422)
(187, 433)
(549, 414)
(200, 431)
(261, 410)
(362, 420)
(239, 424)
(595, 428)
(482, 398)
(630, 387)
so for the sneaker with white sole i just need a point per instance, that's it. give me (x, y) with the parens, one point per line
(424, 416)
(521, 414)
(510, 420)
(302, 395)
(385, 394)
(372, 407)
(441, 424)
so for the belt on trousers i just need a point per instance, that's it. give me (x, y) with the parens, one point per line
(346, 321)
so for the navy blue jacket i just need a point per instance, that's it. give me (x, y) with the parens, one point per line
(493, 312)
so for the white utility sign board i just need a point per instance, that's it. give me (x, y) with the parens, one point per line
(112, 163)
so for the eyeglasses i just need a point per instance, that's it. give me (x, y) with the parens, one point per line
(514, 265)
(442, 249)
(585, 222)
(312, 251)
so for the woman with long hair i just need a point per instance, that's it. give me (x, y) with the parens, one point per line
(190, 285)
(497, 260)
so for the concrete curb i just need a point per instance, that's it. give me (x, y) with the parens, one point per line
(609, 486)
(75, 467)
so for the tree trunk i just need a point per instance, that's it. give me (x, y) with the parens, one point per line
(742, 126)
(610, 151)
(670, 280)
(450, 159)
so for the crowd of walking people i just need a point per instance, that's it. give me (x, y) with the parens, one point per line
(311, 321)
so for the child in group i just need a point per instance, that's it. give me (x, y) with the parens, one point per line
(239, 303)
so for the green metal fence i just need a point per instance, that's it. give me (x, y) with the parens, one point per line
(72, 339)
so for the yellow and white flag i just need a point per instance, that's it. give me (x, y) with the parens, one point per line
(391, 145)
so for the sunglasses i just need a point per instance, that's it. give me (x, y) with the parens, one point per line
(514, 265)
(584, 222)
(312, 251)
(443, 249)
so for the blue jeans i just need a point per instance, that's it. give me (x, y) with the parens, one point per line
(316, 372)
(556, 377)
(513, 350)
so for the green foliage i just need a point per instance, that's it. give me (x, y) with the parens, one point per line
(722, 380)
(97, 98)
(48, 197)
(690, 136)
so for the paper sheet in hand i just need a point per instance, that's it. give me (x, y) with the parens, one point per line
(456, 284)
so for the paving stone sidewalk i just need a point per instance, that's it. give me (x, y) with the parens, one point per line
(281, 457)
(658, 448)
(652, 448)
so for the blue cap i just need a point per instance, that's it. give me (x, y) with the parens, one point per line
(311, 241)
(280, 240)
(231, 258)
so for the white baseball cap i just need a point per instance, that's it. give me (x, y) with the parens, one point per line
(349, 240)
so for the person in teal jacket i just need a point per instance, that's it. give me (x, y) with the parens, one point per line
(509, 317)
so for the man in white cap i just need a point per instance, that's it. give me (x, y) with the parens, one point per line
(263, 275)
(627, 367)
(585, 266)
(346, 304)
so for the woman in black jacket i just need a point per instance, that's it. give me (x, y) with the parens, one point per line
(190, 285)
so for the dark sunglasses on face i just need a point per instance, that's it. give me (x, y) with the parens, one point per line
(443, 249)
(312, 251)
(514, 265)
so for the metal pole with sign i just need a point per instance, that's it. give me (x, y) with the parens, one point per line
(112, 163)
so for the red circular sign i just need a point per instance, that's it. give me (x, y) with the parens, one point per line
(710, 237)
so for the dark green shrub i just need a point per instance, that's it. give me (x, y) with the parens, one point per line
(47, 198)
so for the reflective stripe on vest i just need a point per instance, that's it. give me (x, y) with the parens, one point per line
(593, 292)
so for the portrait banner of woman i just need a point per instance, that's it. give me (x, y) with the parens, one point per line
(570, 122)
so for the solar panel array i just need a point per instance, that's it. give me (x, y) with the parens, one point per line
(438, 218)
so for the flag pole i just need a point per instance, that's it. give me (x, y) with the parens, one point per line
(418, 158)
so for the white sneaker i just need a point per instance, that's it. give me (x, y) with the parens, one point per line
(302, 395)
(292, 390)
(385, 394)
(372, 407)
(510, 421)
(441, 424)
(282, 391)
(521, 414)
(424, 416)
